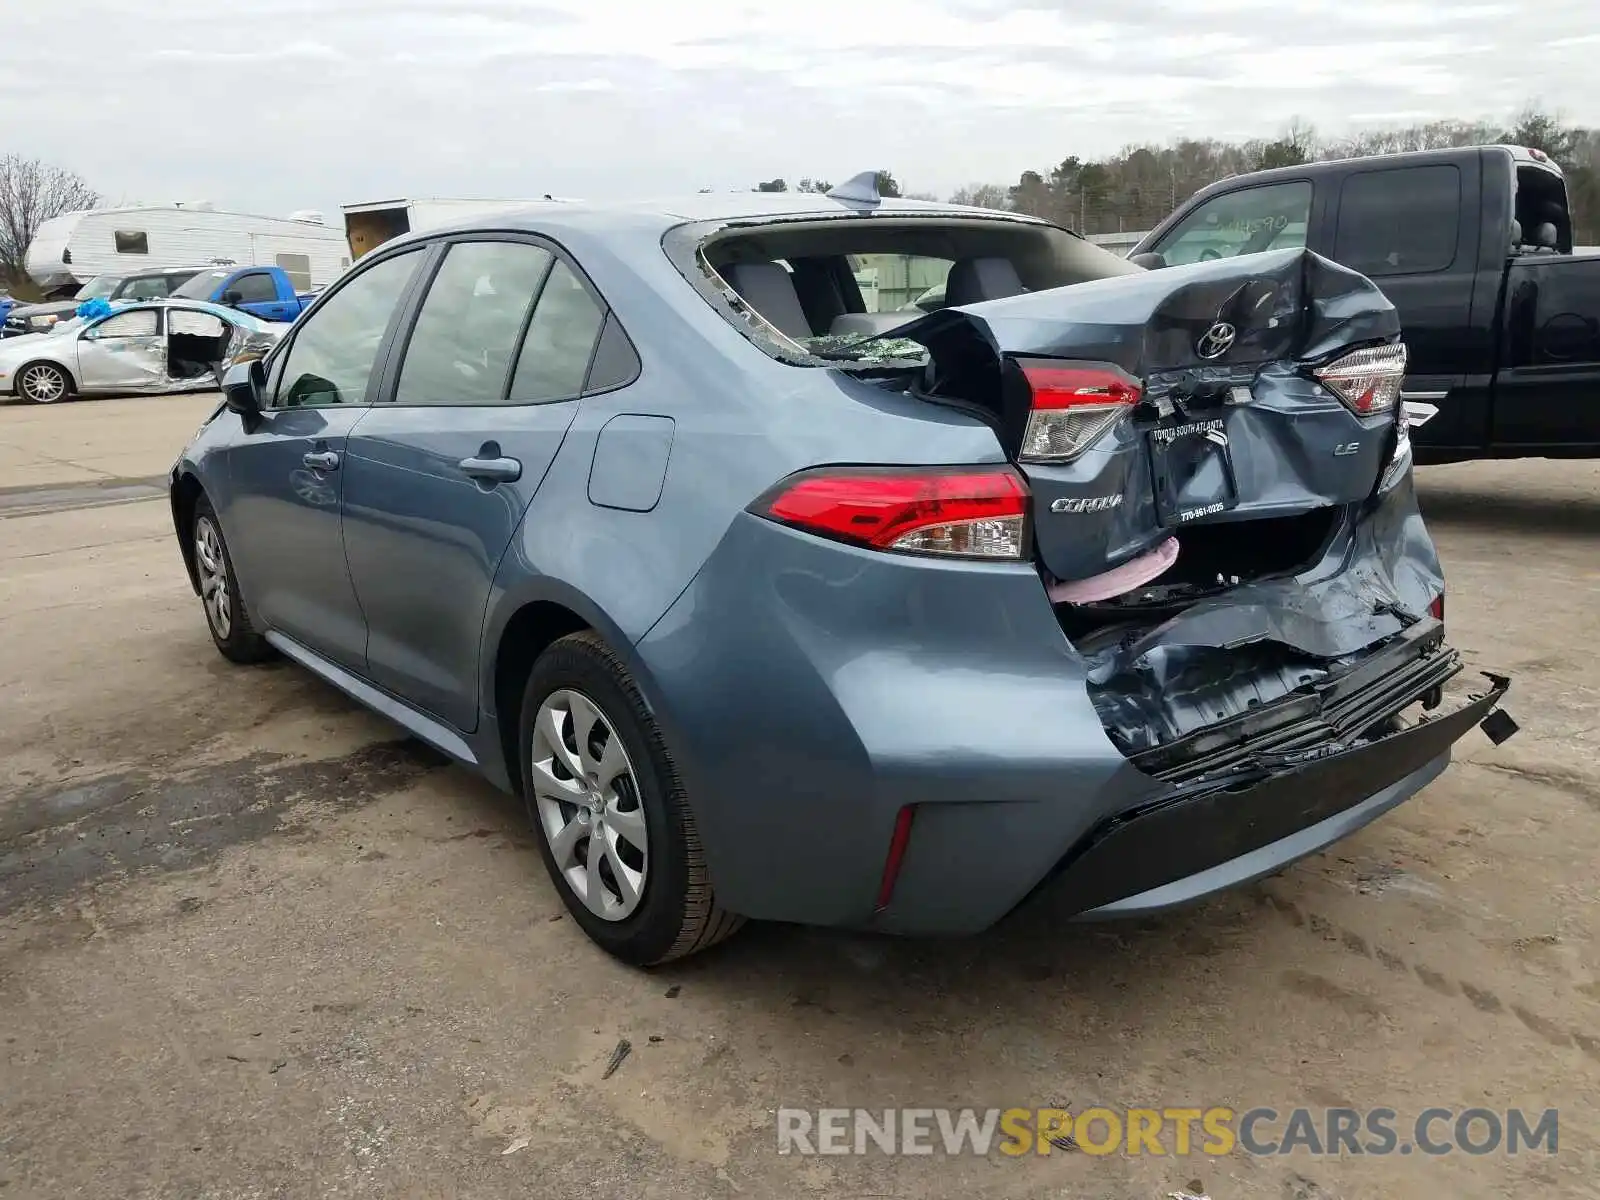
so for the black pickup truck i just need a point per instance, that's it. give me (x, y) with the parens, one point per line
(1474, 248)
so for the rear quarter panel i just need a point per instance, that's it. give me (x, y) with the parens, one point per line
(742, 421)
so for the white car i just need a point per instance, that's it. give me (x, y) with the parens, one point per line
(147, 347)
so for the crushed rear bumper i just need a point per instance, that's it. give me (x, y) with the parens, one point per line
(1222, 831)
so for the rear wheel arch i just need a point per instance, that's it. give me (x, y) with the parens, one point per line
(529, 631)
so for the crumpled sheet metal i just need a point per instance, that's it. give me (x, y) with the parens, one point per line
(1293, 446)
(1285, 304)
(1258, 641)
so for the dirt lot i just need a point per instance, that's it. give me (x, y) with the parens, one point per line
(254, 943)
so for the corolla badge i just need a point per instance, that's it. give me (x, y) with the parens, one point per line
(1216, 341)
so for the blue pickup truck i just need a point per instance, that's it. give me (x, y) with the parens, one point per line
(265, 292)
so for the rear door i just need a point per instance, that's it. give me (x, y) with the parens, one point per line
(286, 467)
(439, 476)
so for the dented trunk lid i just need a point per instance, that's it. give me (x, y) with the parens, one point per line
(1229, 423)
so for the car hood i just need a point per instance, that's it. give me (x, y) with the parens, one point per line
(29, 343)
(43, 310)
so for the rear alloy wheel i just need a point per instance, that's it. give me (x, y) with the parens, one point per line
(615, 830)
(43, 383)
(226, 617)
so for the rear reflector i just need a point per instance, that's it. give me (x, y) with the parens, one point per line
(897, 854)
(1073, 405)
(1436, 609)
(1367, 381)
(954, 512)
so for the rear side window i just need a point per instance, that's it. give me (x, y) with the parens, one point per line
(616, 362)
(1399, 222)
(298, 268)
(561, 339)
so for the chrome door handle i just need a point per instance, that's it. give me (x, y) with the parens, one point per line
(492, 470)
(322, 460)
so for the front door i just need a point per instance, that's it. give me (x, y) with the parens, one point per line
(126, 351)
(439, 476)
(258, 296)
(287, 469)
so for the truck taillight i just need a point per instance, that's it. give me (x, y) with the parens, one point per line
(952, 512)
(1072, 406)
(1367, 381)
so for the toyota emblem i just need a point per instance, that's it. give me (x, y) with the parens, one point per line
(1216, 341)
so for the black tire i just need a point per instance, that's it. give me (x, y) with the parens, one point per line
(677, 913)
(43, 383)
(236, 638)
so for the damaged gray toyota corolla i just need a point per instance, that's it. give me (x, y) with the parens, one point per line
(1101, 585)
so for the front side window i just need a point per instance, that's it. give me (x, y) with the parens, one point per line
(466, 333)
(555, 355)
(142, 322)
(254, 289)
(330, 360)
(1271, 217)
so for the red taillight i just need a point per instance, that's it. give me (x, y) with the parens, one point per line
(897, 854)
(961, 512)
(1072, 406)
(1436, 609)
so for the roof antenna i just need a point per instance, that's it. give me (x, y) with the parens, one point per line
(858, 189)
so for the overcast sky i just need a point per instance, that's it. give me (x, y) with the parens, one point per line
(273, 105)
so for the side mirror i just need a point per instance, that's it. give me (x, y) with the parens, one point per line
(1149, 260)
(243, 387)
(232, 298)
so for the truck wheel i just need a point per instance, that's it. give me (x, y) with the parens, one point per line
(613, 824)
(226, 617)
(43, 383)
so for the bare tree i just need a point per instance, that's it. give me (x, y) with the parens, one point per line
(31, 192)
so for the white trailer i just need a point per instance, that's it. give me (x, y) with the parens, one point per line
(75, 247)
(369, 225)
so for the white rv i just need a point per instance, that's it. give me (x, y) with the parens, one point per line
(75, 247)
(368, 226)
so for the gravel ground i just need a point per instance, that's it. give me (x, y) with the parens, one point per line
(255, 943)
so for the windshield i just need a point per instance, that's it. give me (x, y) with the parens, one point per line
(99, 288)
(202, 286)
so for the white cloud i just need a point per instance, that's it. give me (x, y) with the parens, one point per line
(282, 104)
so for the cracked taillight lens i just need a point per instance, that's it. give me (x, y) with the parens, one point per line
(1367, 381)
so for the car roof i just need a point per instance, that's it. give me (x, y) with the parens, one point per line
(714, 207)
(216, 310)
